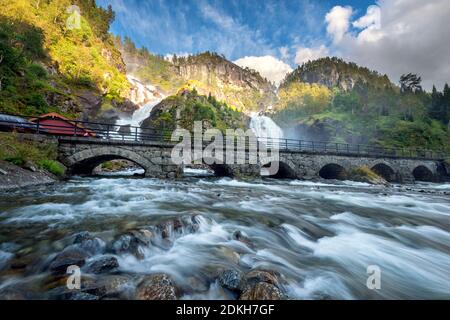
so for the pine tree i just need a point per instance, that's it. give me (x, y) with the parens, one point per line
(446, 105)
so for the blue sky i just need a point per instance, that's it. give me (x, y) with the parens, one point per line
(235, 28)
(273, 36)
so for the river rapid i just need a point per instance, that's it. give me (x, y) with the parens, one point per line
(318, 237)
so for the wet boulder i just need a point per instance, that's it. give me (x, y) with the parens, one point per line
(262, 291)
(70, 256)
(89, 243)
(102, 264)
(133, 242)
(108, 286)
(156, 287)
(174, 227)
(169, 228)
(256, 276)
(231, 280)
(241, 237)
(82, 296)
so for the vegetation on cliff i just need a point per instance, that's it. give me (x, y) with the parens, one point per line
(360, 106)
(49, 66)
(188, 106)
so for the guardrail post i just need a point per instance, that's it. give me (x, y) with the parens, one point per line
(37, 126)
(107, 131)
(75, 130)
(136, 134)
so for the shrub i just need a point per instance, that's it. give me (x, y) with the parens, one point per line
(53, 167)
(365, 174)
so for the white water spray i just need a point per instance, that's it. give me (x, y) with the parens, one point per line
(265, 127)
(146, 97)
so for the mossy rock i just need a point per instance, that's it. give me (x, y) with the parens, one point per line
(365, 174)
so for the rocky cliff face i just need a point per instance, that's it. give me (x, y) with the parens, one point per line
(335, 72)
(208, 73)
(227, 81)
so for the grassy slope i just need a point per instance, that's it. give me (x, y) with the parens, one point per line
(26, 153)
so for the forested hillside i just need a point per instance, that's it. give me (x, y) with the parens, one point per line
(330, 99)
(48, 64)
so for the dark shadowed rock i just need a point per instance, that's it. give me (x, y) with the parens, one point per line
(132, 243)
(231, 280)
(70, 256)
(156, 287)
(239, 236)
(108, 286)
(81, 296)
(89, 243)
(102, 265)
(168, 228)
(11, 293)
(262, 291)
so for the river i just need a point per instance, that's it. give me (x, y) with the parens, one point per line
(320, 237)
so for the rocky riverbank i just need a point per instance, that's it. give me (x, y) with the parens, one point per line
(101, 260)
(13, 177)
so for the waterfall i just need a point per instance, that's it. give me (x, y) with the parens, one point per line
(139, 115)
(146, 97)
(265, 127)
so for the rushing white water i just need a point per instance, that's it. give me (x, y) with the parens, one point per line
(146, 97)
(139, 115)
(265, 127)
(320, 237)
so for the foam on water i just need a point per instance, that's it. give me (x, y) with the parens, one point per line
(319, 236)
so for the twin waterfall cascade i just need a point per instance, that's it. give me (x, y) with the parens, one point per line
(265, 127)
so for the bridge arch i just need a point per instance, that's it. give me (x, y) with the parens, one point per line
(84, 162)
(423, 173)
(220, 169)
(279, 170)
(385, 171)
(333, 171)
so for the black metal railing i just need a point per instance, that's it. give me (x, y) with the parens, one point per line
(114, 132)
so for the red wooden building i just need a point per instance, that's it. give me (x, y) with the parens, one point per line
(53, 123)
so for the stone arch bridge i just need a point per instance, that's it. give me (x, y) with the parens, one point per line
(82, 155)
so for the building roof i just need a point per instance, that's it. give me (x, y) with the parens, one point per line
(53, 115)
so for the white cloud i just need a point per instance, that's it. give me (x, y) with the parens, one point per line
(284, 53)
(338, 20)
(308, 54)
(268, 66)
(396, 37)
(371, 18)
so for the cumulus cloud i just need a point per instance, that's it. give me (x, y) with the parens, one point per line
(338, 20)
(372, 18)
(284, 53)
(396, 37)
(308, 54)
(268, 66)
